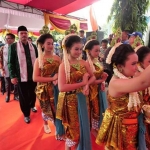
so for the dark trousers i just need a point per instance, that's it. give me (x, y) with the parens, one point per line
(10, 87)
(27, 96)
(3, 90)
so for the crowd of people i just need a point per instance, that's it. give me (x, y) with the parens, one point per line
(71, 88)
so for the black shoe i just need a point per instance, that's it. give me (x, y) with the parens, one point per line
(7, 99)
(3, 93)
(34, 109)
(27, 119)
(16, 98)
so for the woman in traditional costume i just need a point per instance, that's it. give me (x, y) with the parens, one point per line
(74, 78)
(143, 53)
(119, 127)
(98, 101)
(46, 74)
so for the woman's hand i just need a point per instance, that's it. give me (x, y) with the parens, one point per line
(55, 77)
(104, 76)
(85, 90)
(55, 82)
(85, 78)
(102, 86)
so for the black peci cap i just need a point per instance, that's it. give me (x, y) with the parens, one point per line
(22, 28)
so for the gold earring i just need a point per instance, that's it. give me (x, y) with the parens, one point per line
(114, 66)
(120, 69)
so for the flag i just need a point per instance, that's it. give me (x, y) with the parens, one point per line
(93, 19)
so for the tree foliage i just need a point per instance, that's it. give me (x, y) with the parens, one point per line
(129, 15)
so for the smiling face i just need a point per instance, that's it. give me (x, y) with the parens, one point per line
(76, 50)
(94, 52)
(130, 66)
(48, 45)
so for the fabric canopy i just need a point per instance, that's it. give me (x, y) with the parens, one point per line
(76, 5)
(11, 19)
(61, 6)
(63, 23)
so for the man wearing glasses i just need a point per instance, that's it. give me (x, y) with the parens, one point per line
(10, 38)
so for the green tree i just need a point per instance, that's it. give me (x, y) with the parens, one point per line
(129, 15)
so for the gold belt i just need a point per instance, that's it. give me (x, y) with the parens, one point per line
(71, 92)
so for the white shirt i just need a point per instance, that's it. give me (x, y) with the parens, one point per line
(5, 60)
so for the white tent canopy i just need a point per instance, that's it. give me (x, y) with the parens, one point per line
(11, 19)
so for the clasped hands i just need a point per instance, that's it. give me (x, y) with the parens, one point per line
(85, 90)
(55, 79)
(103, 78)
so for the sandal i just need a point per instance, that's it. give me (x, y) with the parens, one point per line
(47, 129)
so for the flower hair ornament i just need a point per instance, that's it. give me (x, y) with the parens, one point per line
(65, 57)
(88, 56)
(40, 56)
(134, 100)
(111, 52)
(116, 42)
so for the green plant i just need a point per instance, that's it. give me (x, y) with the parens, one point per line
(71, 30)
(44, 30)
(93, 36)
(129, 15)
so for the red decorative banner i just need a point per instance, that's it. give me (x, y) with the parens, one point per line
(83, 26)
(62, 24)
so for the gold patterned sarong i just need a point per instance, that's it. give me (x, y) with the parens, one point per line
(94, 98)
(44, 91)
(119, 127)
(67, 107)
(146, 101)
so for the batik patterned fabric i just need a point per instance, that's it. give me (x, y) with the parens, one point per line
(119, 128)
(146, 101)
(67, 108)
(45, 91)
(94, 97)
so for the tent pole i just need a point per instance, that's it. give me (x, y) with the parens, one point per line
(8, 19)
